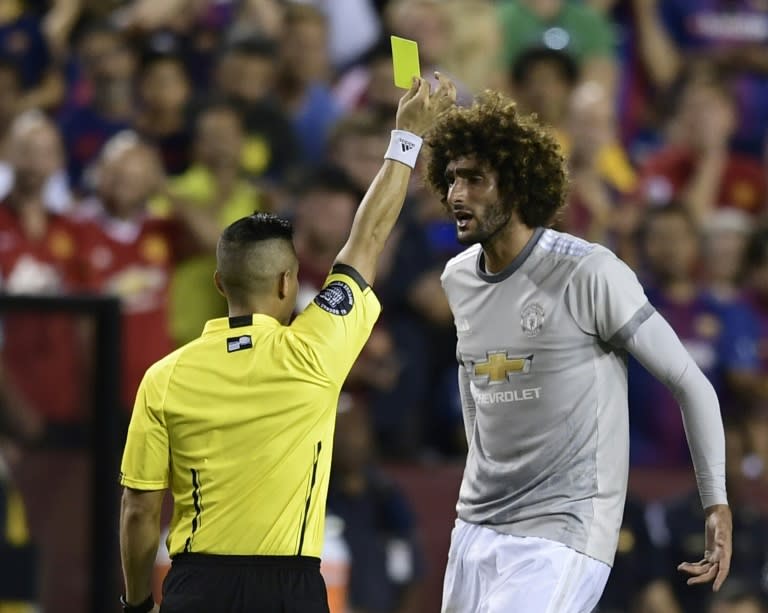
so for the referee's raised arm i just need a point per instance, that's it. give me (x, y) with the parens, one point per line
(381, 206)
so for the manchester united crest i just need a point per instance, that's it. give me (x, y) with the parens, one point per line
(532, 319)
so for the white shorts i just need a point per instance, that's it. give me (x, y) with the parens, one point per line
(489, 572)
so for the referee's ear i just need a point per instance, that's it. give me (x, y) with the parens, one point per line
(217, 283)
(284, 286)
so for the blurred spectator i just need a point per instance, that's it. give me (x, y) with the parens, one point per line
(34, 125)
(246, 76)
(542, 81)
(214, 186)
(716, 35)
(602, 178)
(431, 24)
(583, 119)
(636, 583)
(129, 254)
(164, 95)
(22, 43)
(474, 55)
(371, 85)
(735, 597)
(428, 23)
(562, 25)
(680, 534)
(43, 371)
(721, 341)
(110, 69)
(726, 234)
(353, 27)
(697, 167)
(356, 145)
(264, 17)
(303, 79)
(386, 560)
(325, 206)
(756, 273)
(141, 16)
(38, 256)
(756, 278)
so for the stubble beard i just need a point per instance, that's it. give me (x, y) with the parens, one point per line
(496, 219)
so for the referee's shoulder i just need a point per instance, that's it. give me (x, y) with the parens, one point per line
(164, 367)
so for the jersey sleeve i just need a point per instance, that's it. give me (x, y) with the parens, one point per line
(336, 325)
(147, 454)
(606, 299)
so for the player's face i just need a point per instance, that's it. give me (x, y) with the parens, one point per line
(474, 200)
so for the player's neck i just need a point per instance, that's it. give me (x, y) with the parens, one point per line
(506, 245)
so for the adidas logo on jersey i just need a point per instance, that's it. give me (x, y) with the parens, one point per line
(406, 146)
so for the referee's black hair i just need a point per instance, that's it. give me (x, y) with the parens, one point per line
(257, 227)
(252, 253)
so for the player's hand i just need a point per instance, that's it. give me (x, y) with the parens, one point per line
(417, 109)
(717, 556)
(155, 609)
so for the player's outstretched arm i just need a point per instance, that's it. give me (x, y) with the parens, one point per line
(658, 349)
(383, 202)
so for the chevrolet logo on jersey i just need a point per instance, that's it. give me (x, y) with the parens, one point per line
(499, 366)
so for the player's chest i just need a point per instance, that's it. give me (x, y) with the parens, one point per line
(501, 330)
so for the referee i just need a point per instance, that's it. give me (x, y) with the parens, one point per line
(239, 422)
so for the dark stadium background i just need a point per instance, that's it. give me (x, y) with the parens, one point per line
(661, 109)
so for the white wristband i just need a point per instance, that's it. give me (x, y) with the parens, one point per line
(404, 147)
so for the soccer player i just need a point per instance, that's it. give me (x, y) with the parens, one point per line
(544, 322)
(239, 423)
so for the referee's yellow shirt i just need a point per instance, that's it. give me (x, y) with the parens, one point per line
(239, 423)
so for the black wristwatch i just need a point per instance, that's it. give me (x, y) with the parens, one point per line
(144, 607)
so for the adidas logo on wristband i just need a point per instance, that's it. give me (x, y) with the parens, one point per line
(404, 147)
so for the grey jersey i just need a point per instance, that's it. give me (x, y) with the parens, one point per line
(544, 389)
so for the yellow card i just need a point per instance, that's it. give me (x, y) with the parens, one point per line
(405, 61)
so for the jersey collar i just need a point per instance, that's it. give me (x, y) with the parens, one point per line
(513, 265)
(241, 321)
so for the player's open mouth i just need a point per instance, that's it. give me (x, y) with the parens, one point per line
(462, 219)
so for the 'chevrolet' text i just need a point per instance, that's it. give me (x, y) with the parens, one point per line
(532, 393)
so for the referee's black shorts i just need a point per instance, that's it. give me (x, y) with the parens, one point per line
(202, 583)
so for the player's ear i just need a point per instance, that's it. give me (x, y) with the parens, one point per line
(217, 283)
(284, 285)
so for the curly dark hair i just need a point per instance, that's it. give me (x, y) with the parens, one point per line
(530, 166)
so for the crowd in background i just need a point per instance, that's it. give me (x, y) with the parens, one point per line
(131, 133)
